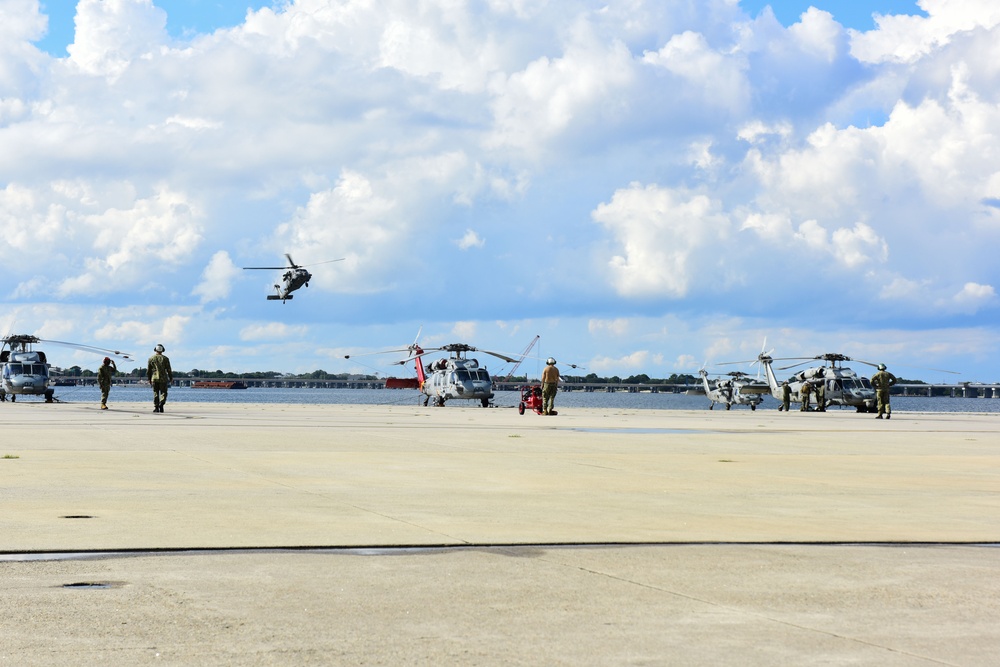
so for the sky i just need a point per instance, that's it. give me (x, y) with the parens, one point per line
(647, 185)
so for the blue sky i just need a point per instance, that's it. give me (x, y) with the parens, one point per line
(646, 185)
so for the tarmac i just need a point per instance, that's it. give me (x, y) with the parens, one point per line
(218, 534)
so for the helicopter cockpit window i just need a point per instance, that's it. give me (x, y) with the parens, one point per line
(483, 375)
(463, 375)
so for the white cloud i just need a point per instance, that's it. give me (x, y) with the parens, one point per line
(661, 232)
(533, 105)
(470, 240)
(272, 331)
(217, 278)
(718, 77)
(111, 34)
(618, 327)
(974, 296)
(465, 331)
(639, 360)
(161, 230)
(907, 38)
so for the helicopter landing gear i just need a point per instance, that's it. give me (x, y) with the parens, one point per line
(485, 402)
(728, 405)
(712, 406)
(426, 400)
(753, 406)
(13, 398)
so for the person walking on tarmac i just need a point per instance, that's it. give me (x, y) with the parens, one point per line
(550, 385)
(821, 396)
(104, 375)
(882, 380)
(160, 376)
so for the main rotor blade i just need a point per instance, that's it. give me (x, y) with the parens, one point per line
(91, 348)
(264, 268)
(500, 356)
(302, 266)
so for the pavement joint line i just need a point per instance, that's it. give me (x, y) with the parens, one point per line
(81, 554)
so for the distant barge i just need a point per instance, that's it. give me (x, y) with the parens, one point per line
(221, 384)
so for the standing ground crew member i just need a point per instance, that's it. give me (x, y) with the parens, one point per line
(821, 395)
(786, 396)
(882, 380)
(804, 391)
(160, 376)
(550, 385)
(104, 375)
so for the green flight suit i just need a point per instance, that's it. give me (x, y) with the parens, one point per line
(104, 375)
(881, 381)
(160, 376)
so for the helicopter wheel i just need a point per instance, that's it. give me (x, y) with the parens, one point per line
(426, 400)
(728, 405)
(712, 406)
(753, 406)
(520, 408)
(13, 398)
(485, 402)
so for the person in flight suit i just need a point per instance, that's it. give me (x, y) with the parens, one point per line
(104, 375)
(882, 380)
(160, 376)
(550, 385)
(804, 390)
(786, 396)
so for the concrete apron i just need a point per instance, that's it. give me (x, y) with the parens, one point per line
(206, 476)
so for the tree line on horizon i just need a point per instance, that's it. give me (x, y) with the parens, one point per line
(590, 378)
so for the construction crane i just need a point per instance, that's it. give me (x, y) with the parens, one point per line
(523, 355)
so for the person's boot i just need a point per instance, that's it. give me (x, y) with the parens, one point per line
(156, 406)
(103, 406)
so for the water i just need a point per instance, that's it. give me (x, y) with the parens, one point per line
(504, 399)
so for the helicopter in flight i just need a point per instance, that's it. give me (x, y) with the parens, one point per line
(456, 376)
(736, 389)
(24, 371)
(294, 277)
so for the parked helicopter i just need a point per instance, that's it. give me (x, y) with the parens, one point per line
(295, 277)
(738, 389)
(454, 377)
(25, 371)
(842, 386)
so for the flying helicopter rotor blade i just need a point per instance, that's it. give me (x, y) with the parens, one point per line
(291, 262)
(318, 263)
(264, 268)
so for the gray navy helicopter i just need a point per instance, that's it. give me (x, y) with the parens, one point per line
(736, 388)
(294, 277)
(842, 386)
(454, 377)
(24, 371)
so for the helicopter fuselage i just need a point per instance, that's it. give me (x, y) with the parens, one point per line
(24, 373)
(842, 386)
(452, 378)
(734, 391)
